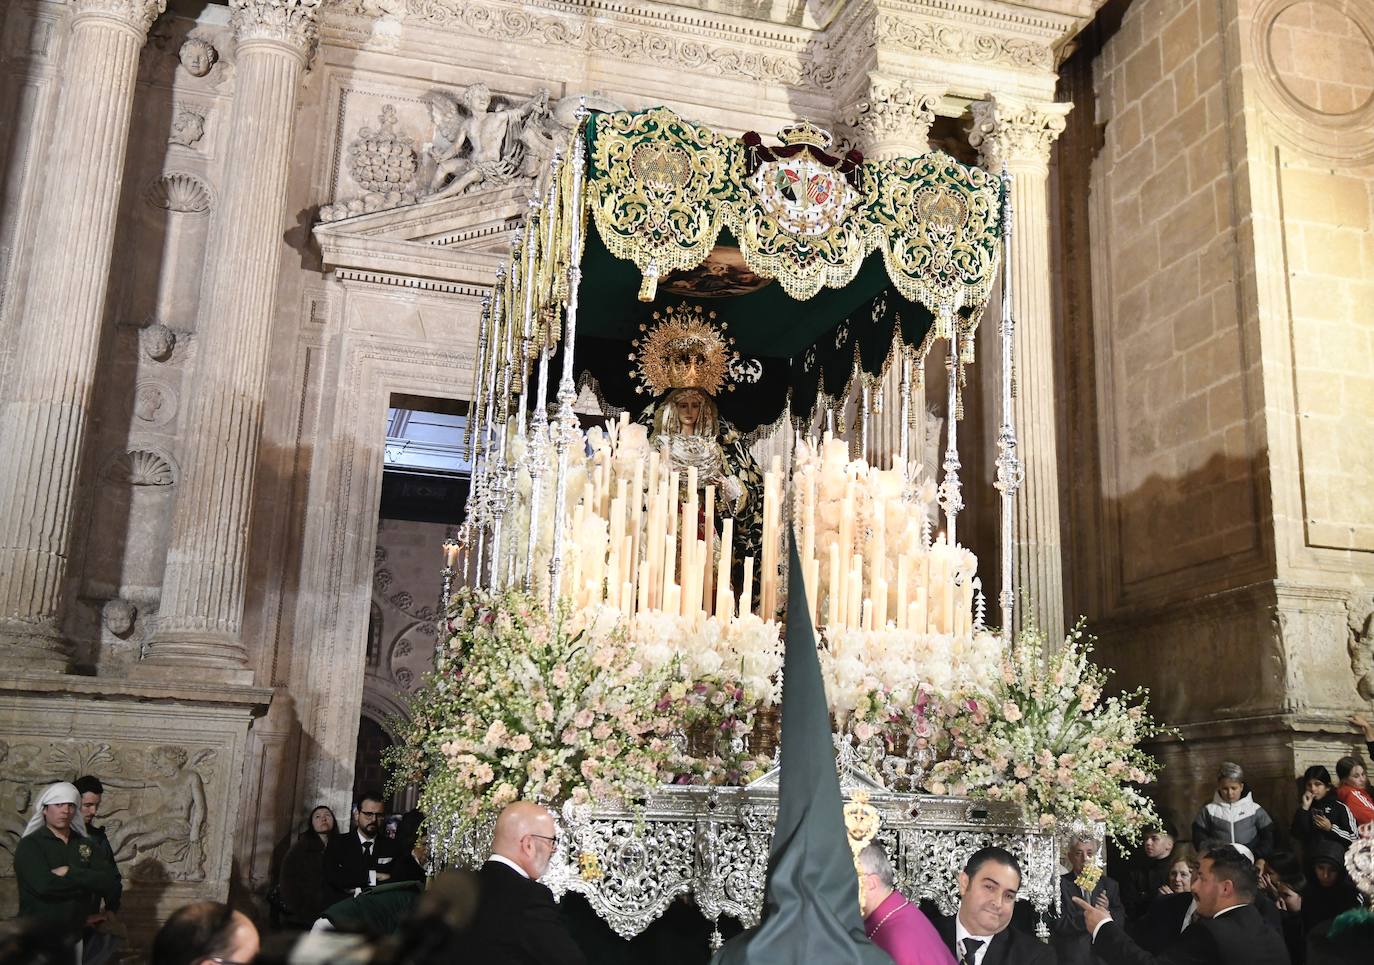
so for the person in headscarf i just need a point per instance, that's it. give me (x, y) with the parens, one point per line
(63, 875)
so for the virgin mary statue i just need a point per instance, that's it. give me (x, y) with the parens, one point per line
(684, 358)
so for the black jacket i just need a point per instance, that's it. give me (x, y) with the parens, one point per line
(302, 887)
(1238, 937)
(1068, 935)
(346, 866)
(99, 835)
(1009, 946)
(1342, 833)
(516, 923)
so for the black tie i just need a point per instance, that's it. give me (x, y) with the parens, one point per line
(971, 946)
(367, 850)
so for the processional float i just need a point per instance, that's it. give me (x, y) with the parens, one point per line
(711, 290)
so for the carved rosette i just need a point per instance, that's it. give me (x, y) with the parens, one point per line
(138, 14)
(291, 22)
(894, 119)
(1017, 132)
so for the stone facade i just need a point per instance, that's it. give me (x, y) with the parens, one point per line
(273, 245)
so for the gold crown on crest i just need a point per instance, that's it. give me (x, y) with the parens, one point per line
(683, 348)
(804, 132)
(861, 820)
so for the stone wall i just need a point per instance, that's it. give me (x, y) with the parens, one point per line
(1219, 379)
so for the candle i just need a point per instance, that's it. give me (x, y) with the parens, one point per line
(669, 550)
(723, 597)
(920, 621)
(708, 531)
(746, 604)
(835, 612)
(854, 613)
(812, 574)
(903, 572)
(880, 603)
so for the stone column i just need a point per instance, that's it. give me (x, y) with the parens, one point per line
(1020, 134)
(892, 119)
(43, 424)
(201, 615)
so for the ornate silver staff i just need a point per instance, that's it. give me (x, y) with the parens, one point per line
(951, 491)
(567, 392)
(1009, 469)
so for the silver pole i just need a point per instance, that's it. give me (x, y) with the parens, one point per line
(951, 491)
(1009, 469)
(904, 429)
(567, 392)
(527, 336)
(496, 483)
(538, 442)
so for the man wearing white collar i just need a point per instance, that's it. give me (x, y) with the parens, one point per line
(979, 935)
(1228, 929)
(517, 922)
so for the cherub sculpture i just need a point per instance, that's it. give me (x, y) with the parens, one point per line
(478, 143)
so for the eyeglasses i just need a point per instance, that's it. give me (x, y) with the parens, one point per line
(372, 814)
(224, 961)
(545, 837)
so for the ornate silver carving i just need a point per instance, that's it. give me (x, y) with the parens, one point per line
(1010, 472)
(712, 843)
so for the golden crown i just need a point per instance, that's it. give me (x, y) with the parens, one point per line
(683, 348)
(804, 132)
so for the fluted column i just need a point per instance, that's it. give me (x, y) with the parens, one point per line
(43, 423)
(892, 119)
(1021, 135)
(201, 615)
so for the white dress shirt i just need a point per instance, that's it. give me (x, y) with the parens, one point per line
(960, 933)
(502, 859)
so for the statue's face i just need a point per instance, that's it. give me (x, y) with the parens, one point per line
(688, 406)
(197, 57)
(478, 101)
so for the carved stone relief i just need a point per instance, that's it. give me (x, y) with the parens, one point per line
(118, 616)
(155, 403)
(188, 125)
(154, 808)
(157, 341)
(142, 467)
(180, 192)
(1360, 642)
(893, 119)
(197, 56)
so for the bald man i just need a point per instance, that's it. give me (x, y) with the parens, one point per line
(517, 922)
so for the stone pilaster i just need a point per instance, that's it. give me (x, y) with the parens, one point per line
(201, 616)
(43, 424)
(892, 119)
(1020, 135)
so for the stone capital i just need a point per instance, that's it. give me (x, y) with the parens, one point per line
(893, 117)
(1015, 132)
(293, 23)
(138, 14)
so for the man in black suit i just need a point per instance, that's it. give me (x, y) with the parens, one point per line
(1228, 930)
(1068, 936)
(978, 934)
(517, 922)
(362, 859)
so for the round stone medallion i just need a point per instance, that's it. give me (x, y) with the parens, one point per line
(1322, 59)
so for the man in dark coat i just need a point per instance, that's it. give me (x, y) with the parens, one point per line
(1070, 940)
(1228, 930)
(63, 875)
(363, 858)
(978, 934)
(517, 922)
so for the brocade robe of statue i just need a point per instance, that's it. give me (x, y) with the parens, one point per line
(898, 927)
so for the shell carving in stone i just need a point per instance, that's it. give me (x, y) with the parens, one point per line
(181, 192)
(143, 467)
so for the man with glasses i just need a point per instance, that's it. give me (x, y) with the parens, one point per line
(363, 858)
(517, 921)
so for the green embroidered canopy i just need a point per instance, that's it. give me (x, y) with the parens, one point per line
(821, 267)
